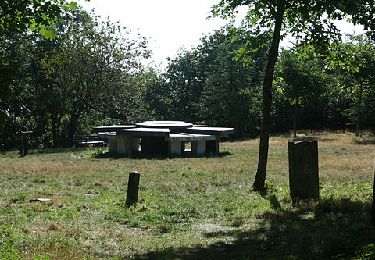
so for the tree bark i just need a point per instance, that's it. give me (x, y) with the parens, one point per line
(54, 129)
(260, 177)
(73, 125)
(373, 198)
(359, 111)
(295, 121)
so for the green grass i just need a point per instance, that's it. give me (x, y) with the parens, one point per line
(189, 207)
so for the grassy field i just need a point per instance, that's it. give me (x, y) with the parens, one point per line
(191, 208)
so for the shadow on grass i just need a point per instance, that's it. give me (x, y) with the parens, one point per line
(240, 139)
(36, 152)
(331, 229)
(365, 141)
(61, 150)
(157, 157)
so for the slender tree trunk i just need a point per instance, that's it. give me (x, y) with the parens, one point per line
(359, 111)
(373, 198)
(357, 128)
(73, 125)
(260, 177)
(58, 129)
(295, 121)
(54, 131)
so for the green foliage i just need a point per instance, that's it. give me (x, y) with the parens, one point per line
(318, 39)
(209, 85)
(312, 20)
(356, 58)
(367, 252)
(16, 17)
(36, 15)
(301, 85)
(327, 90)
(231, 93)
(86, 72)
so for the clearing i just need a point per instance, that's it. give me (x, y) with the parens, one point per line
(190, 207)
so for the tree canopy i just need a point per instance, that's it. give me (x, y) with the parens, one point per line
(18, 16)
(208, 85)
(84, 72)
(37, 15)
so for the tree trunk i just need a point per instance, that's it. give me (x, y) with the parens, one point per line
(359, 111)
(54, 131)
(73, 125)
(373, 198)
(295, 120)
(260, 177)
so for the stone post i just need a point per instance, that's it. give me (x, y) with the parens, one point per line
(303, 170)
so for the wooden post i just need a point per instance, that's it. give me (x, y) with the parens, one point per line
(133, 185)
(303, 170)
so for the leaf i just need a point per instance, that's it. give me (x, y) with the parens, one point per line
(73, 5)
(33, 26)
(252, 17)
(65, 8)
(49, 34)
(280, 90)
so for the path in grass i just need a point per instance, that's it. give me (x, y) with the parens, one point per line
(190, 207)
